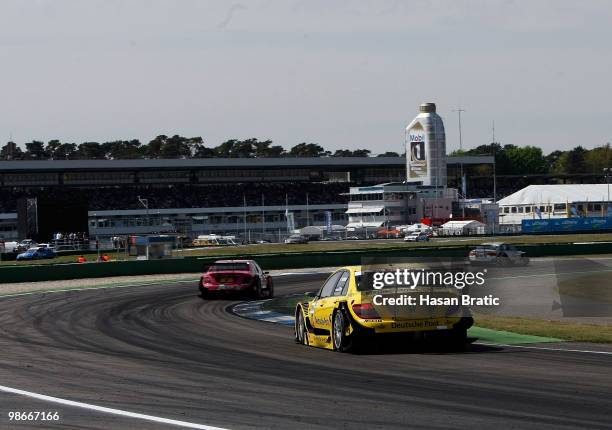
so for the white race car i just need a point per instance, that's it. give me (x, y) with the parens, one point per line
(417, 236)
(501, 254)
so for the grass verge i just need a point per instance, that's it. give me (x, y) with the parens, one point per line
(378, 244)
(575, 332)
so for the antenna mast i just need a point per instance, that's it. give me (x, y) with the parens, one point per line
(459, 110)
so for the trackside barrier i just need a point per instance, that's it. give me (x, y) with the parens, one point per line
(293, 260)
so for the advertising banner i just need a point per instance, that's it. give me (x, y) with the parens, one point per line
(417, 152)
(566, 224)
(328, 222)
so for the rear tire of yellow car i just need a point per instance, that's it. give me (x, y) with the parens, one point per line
(458, 339)
(340, 341)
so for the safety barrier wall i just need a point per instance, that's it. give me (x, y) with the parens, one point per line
(47, 272)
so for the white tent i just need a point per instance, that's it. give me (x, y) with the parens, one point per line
(551, 194)
(416, 227)
(458, 228)
(364, 224)
(318, 230)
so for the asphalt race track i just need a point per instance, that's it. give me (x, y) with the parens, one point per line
(164, 352)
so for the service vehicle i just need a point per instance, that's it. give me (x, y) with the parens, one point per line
(296, 238)
(214, 240)
(237, 276)
(417, 236)
(37, 253)
(10, 246)
(348, 312)
(497, 253)
(25, 244)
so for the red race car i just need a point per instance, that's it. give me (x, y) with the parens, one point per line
(237, 276)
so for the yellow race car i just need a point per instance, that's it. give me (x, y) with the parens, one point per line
(347, 312)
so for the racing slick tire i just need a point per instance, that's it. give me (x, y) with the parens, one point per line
(203, 291)
(301, 333)
(270, 290)
(501, 261)
(458, 339)
(256, 293)
(340, 341)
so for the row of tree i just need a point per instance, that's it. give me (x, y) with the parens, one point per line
(524, 160)
(169, 147)
(510, 159)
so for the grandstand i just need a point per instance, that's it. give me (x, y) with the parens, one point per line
(361, 170)
(203, 195)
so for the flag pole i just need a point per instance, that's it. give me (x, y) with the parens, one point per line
(263, 217)
(244, 217)
(307, 211)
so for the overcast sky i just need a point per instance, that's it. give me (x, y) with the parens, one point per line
(342, 74)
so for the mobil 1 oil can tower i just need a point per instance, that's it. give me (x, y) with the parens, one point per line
(426, 148)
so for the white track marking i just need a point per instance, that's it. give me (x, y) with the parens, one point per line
(108, 410)
(546, 349)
